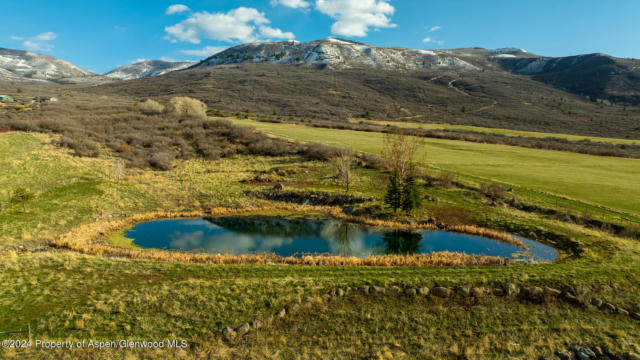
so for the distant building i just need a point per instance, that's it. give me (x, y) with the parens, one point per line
(6, 98)
(43, 99)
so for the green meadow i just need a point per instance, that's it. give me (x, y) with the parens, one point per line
(596, 180)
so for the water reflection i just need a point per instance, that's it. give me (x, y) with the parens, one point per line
(293, 237)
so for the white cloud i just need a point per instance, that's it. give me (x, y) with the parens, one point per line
(16, 38)
(36, 46)
(47, 36)
(295, 4)
(435, 28)
(355, 17)
(236, 25)
(430, 40)
(205, 52)
(272, 33)
(176, 9)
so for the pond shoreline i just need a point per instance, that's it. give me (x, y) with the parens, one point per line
(90, 239)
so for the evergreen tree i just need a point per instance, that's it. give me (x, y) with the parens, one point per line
(393, 197)
(411, 194)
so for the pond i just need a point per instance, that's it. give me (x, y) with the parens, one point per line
(300, 236)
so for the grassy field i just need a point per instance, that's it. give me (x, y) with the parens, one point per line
(610, 182)
(65, 295)
(508, 132)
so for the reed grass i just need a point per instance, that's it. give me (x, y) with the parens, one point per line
(90, 239)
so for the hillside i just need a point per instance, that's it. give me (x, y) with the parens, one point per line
(20, 65)
(490, 98)
(146, 68)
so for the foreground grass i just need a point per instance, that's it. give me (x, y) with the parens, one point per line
(65, 295)
(610, 182)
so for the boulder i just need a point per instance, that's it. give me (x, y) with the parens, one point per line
(582, 290)
(395, 289)
(478, 292)
(364, 289)
(551, 292)
(243, 329)
(257, 324)
(340, 292)
(596, 302)
(609, 307)
(532, 293)
(635, 316)
(282, 313)
(308, 300)
(497, 292)
(378, 290)
(293, 307)
(423, 291)
(228, 333)
(622, 311)
(442, 292)
(510, 289)
(463, 291)
(410, 292)
(564, 355)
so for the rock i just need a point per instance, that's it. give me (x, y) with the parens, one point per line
(587, 351)
(243, 329)
(293, 307)
(564, 355)
(582, 290)
(497, 292)
(257, 324)
(423, 291)
(282, 313)
(633, 356)
(551, 292)
(269, 319)
(605, 288)
(582, 356)
(228, 333)
(278, 187)
(463, 291)
(378, 290)
(510, 289)
(596, 302)
(364, 289)
(478, 292)
(609, 307)
(570, 298)
(622, 311)
(340, 292)
(326, 297)
(410, 292)
(635, 316)
(441, 292)
(395, 289)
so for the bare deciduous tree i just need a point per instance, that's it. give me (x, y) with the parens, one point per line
(400, 150)
(344, 160)
(118, 170)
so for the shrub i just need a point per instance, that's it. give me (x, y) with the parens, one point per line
(162, 160)
(150, 107)
(316, 151)
(187, 107)
(81, 146)
(493, 191)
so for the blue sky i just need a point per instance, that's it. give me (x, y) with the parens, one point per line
(101, 35)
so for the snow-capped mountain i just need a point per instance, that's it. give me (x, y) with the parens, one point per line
(20, 65)
(338, 53)
(147, 68)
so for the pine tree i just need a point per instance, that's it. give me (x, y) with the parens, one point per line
(393, 197)
(411, 195)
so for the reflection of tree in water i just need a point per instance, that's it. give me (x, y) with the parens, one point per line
(344, 234)
(402, 242)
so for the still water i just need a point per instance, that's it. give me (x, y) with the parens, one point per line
(295, 237)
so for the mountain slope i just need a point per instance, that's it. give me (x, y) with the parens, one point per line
(340, 54)
(19, 65)
(146, 68)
